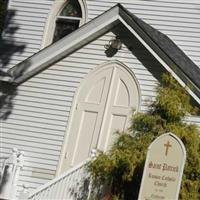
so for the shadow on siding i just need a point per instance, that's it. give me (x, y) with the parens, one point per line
(8, 47)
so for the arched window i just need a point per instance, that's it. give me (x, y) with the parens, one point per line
(68, 20)
(66, 16)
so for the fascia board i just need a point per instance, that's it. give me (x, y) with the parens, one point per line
(64, 47)
(159, 54)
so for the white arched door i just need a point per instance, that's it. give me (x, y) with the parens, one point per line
(104, 104)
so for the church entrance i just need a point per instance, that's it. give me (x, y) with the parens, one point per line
(104, 104)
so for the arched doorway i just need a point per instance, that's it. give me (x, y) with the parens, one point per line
(104, 103)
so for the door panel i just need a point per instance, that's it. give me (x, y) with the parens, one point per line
(104, 105)
(96, 93)
(87, 118)
(86, 141)
(122, 99)
(117, 123)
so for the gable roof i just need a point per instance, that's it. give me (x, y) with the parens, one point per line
(180, 59)
(115, 19)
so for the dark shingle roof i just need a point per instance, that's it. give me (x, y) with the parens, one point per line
(179, 58)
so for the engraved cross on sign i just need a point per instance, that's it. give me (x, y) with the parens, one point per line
(167, 145)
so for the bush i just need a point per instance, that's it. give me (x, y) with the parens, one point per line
(121, 168)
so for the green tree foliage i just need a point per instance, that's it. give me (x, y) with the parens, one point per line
(121, 168)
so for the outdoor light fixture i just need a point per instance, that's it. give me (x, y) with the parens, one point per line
(113, 46)
(114, 43)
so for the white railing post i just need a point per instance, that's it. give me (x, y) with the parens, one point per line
(93, 156)
(24, 194)
(19, 165)
(10, 174)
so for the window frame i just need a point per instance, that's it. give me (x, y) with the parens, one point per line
(56, 9)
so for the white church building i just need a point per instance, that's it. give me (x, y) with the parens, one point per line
(72, 72)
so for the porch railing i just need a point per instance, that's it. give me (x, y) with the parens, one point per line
(73, 184)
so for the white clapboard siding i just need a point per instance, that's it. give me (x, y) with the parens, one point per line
(12, 144)
(27, 144)
(56, 102)
(37, 170)
(29, 19)
(35, 129)
(43, 112)
(25, 138)
(49, 109)
(38, 175)
(193, 120)
(6, 151)
(42, 106)
(31, 85)
(31, 121)
(23, 40)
